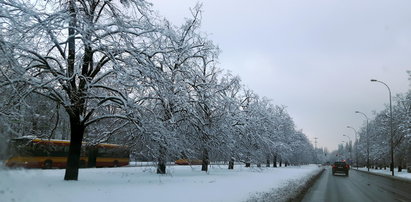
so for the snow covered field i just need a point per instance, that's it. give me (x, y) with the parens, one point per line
(402, 174)
(183, 183)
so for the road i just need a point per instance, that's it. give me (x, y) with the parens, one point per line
(358, 186)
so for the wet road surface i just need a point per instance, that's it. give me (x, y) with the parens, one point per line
(358, 186)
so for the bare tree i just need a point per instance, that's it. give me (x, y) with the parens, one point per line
(68, 50)
(115, 68)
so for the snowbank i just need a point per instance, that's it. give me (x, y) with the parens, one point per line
(292, 190)
(402, 174)
(183, 183)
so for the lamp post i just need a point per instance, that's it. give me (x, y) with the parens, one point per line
(349, 144)
(349, 149)
(391, 127)
(346, 143)
(349, 139)
(356, 144)
(368, 141)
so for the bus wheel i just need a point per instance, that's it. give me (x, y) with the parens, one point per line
(115, 163)
(48, 164)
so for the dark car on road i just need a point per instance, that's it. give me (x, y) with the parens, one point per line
(340, 167)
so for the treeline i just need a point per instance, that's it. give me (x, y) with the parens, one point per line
(115, 71)
(373, 147)
(379, 135)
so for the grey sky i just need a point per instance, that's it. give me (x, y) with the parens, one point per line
(315, 56)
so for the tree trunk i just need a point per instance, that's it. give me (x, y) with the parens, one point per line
(204, 165)
(231, 164)
(71, 42)
(247, 165)
(408, 159)
(76, 127)
(161, 166)
(73, 159)
(275, 161)
(268, 162)
(281, 162)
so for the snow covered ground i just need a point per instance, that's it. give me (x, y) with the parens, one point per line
(402, 174)
(183, 183)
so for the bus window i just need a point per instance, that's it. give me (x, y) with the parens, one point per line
(20, 147)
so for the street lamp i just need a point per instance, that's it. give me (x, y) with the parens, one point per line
(368, 141)
(391, 127)
(356, 145)
(344, 142)
(349, 149)
(349, 139)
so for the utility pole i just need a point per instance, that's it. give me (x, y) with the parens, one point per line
(391, 128)
(368, 141)
(356, 142)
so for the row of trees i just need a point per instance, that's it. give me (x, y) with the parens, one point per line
(344, 152)
(375, 145)
(379, 135)
(115, 71)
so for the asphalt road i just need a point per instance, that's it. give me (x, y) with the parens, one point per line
(358, 186)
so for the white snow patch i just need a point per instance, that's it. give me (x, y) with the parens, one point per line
(403, 174)
(183, 183)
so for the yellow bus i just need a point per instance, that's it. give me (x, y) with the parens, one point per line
(32, 152)
(188, 162)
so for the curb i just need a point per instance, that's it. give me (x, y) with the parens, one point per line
(386, 176)
(304, 189)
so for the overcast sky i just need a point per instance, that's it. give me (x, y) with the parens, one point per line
(314, 56)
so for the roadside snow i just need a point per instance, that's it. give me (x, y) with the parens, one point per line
(402, 174)
(289, 191)
(183, 183)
